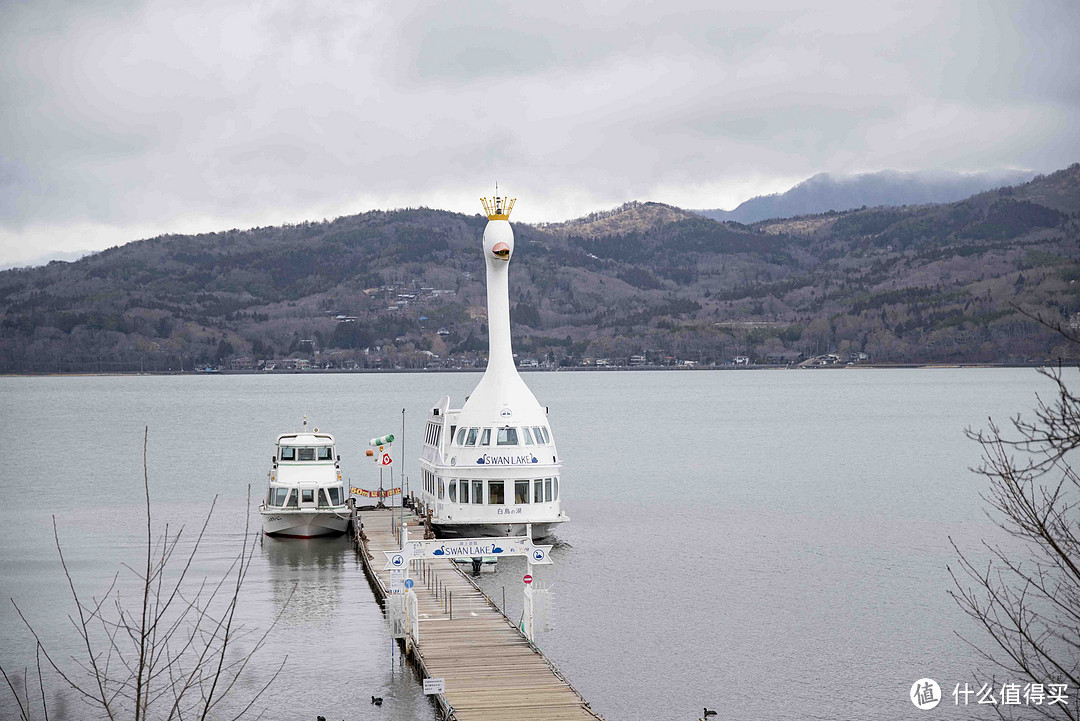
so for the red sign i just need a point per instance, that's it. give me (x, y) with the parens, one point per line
(386, 459)
(527, 579)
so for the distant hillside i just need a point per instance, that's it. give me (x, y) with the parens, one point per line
(48, 258)
(918, 284)
(630, 217)
(825, 192)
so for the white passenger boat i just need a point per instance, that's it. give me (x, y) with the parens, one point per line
(306, 496)
(491, 467)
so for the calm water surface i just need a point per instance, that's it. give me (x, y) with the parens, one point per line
(770, 544)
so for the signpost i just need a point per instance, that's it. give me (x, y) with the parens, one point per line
(397, 563)
(469, 548)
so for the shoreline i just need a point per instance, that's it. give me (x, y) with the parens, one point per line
(567, 369)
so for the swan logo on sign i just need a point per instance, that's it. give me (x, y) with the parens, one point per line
(397, 560)
(538, 555)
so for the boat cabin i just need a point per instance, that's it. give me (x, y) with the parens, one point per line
(306, 473)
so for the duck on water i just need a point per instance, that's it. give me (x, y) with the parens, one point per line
(491, 467)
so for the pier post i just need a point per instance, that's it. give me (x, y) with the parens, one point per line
(527, 601)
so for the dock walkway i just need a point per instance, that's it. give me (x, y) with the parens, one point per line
(492, 671)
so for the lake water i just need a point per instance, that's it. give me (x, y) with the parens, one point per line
(769, 544)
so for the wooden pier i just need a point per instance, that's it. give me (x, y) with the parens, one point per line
(492, 671)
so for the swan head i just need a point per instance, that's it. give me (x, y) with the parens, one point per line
(498, 241)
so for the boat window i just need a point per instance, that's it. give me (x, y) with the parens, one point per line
(547, 490)
(538, 491)
(335, 496)
(288, 453)
(305, 454)
(279, 495)
(461, 436)
(538, 434)
(292, 499)
(442, 490)
(485, 439)
(527, 434)
(556, 488)
(326, 453)
(477, 492)
(508, 437)
(464, 492)
(547, 436)
(521, 491)
(307, 495)
(322, 498)
(495, 493)
(453, 491)
(471, 441)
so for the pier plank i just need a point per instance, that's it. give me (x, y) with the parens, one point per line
(491, 670)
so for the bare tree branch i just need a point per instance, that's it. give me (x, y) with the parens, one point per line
(1026, 599)
(175, 651)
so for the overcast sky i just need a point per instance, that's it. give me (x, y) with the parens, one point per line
(127, 119)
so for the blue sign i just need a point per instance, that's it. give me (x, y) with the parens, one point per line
(397, 561)
(408, 583)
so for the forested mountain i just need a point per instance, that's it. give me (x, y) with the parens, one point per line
(932, 283)
(825, 192)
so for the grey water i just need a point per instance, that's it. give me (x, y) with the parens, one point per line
(769, 544)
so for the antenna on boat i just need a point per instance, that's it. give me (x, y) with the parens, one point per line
(305, 423)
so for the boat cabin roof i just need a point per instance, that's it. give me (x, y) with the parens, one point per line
(305, 439)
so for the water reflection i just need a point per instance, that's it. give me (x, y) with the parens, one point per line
(311, 566)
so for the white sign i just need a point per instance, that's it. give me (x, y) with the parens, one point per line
(397, 580)
(469, 548)
(434, 685)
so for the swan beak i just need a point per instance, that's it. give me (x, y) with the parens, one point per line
(501, 251)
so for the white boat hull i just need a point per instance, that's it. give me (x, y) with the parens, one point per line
(291, 523)
(540, 530)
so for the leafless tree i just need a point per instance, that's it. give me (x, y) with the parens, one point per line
(176, 651)
(1026, 597)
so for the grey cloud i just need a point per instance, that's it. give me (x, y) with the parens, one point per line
(128, 116)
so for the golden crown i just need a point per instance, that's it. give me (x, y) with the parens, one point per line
(498, 207)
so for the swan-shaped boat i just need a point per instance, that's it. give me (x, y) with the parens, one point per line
(491, 467)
